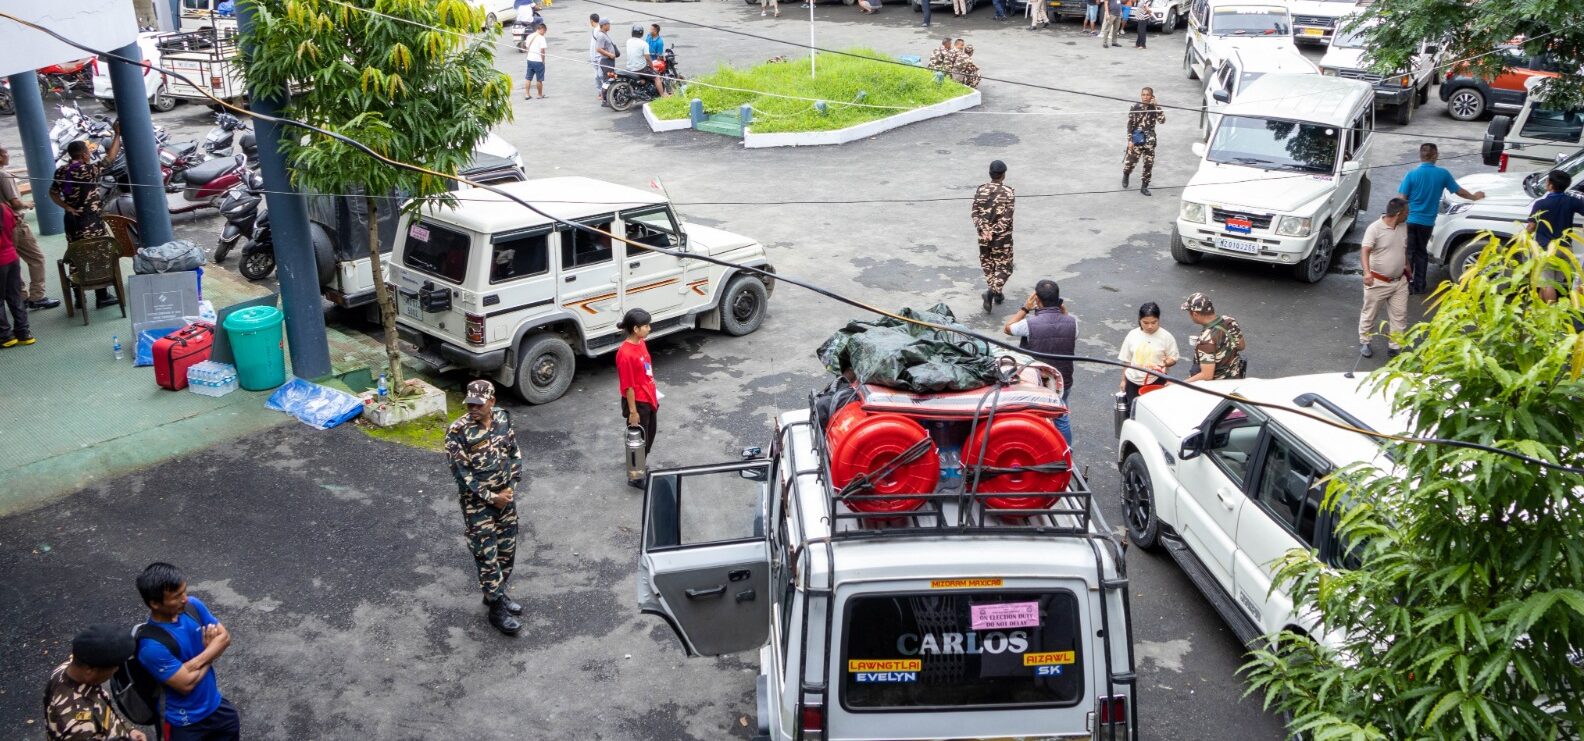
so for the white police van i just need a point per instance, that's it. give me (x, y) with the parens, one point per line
(894, 587)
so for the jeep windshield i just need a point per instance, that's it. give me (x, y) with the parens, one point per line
(1274, 145)
(1250, 22)
(962, 649)
(1353, 39)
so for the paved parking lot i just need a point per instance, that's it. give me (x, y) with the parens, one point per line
(337, 560)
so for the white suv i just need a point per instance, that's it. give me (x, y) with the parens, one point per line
(1239, 70)
(497, 289)
(1316, 21)
(1404, 90)
(1462, 224)
(1228, 487)
(1218, 27)
(1283, 176)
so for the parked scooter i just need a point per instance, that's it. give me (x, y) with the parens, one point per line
(219, 140)
(68, 77)
(625, 89)
(258, 255)
(521, 29)
(240, 207)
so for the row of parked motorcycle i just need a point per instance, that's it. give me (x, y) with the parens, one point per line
(57, 79)
(221, 172)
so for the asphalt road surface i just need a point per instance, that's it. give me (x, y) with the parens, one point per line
(338, 561)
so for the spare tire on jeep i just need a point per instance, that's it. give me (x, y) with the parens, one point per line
(1495, 140)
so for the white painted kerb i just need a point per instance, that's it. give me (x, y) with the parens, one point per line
(860, 131)
(665, 124)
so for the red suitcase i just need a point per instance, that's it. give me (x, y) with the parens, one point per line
(175, 352)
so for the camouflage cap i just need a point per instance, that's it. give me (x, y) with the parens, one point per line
(479, 392)
(1198, 302)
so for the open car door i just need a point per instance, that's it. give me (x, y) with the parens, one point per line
(706, 568)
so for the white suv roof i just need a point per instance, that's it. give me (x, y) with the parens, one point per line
(1324, 100)
(1339, 446)
(569, 198)
(1273, 62)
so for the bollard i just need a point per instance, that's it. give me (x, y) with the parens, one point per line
(819, 105)
(745, 114)
(940, 77)
(696, 112)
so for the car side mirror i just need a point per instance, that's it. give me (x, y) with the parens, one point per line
(1432, 49)
(1191, 445)
(1222, 96)
(1561, 157)
(1198, 149)
(1349, 167)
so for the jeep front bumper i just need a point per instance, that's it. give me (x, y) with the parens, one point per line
(1258, 245)
(1393, 94)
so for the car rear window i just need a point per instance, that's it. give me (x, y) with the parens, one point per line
(962, 649)
(437, 250)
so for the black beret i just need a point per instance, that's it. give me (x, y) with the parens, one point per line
(102, 646)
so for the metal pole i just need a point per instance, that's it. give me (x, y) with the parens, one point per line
(36, 149)
(294, 250)
(137, 142)
(811, 38)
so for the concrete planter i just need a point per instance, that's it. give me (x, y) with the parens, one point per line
(864, 130)
(429, 400)
(665, 124)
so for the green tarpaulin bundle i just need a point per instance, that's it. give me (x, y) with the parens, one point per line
(907, 356)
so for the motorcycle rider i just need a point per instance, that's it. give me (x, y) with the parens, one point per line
(638, 59)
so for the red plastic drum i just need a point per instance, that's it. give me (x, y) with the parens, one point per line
(861, 442)
(1018, 440)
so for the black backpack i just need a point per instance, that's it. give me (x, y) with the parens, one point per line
(135, 692)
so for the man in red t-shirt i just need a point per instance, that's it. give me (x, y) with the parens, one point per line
(635, 372)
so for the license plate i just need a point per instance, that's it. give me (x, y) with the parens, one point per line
(1236, 245)
(409, 306)
(1314, 32)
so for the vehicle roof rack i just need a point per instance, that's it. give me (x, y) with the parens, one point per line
(1310, 398)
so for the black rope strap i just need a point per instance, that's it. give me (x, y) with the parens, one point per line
(868, 479)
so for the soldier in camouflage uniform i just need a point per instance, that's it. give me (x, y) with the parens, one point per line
(944, 57)
(1141, 121)
(76, 706)
(992, 219)
(482, 449)
(1218, 347)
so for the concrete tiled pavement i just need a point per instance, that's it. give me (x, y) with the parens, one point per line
(73, 415)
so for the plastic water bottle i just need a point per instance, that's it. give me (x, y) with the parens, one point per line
(115, 346)
(384, 390)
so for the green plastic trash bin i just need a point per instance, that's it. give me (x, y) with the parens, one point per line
(255, 335)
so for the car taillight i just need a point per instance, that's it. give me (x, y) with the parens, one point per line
(812, 720)
(1113, 710)
(216, 82)
(1502, 166)
(475, 329)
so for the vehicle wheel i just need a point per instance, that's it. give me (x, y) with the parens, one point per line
(1464, 257)
(1495, 140)
(1404, 112)
(743, 305)
(163, 102)
(1314, 268)
(545, 367)
(1424, 94)
(918, 6)
(7, 105)
(1170, 24)
(1466, 104)
(1138, 504)
(619, 96)
(258, 265)
(1188, 68)
(108, 103)
(225, 248)
(1180, 252)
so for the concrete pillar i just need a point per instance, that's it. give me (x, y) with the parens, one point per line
(294, 252)
(36, 149)
(137, 142)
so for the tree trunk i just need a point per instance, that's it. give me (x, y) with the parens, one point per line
(383, 297)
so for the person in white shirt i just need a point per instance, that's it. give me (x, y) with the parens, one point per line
(637, 52)
(537, 48)
(1147, 346)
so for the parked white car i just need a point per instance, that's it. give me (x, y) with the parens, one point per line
(496, 12)
(1218, 27)
(1539, 132)
(1282, 177)
(1405, 90)
(1316, 21)
(495, 288)
(1239, 70)
(153, 82)
(1227, 488)
(1462, 224)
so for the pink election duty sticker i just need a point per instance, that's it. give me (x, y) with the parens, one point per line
(1004, 615)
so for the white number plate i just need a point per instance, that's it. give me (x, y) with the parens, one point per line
(409, 306)
(1236, 245)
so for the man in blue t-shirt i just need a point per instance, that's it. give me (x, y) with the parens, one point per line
(1422, 188)
(194, 709)
(1551, 215)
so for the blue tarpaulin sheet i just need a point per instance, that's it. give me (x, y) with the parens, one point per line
(317, 406)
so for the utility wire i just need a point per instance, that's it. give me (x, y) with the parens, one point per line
(815, 288)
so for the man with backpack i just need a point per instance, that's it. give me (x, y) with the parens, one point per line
(178, 647)
(76, 707)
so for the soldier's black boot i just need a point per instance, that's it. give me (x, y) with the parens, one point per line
(503, 620)
(1125, 178)
(1144, 190)
(1000, 297)
(512, 605)
(989, 297)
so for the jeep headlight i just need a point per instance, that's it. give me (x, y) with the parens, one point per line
(1293, 226)
(1328, 72)
(1457, 208)
(1192, 212)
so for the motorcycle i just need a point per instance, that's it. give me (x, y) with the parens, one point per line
(240, 207)
(258, 255)
(66, 77)
(7, 103)
(219, 139)
(521, 29)
(624, 89)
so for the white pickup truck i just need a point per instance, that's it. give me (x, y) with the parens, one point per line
(1282, 177)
